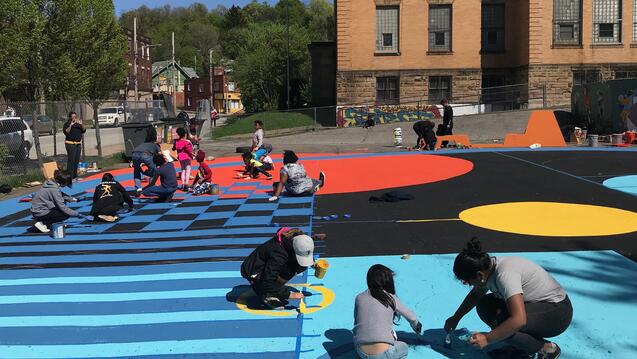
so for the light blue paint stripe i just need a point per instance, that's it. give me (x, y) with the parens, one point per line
(172, 347)
(162, 234)
(112, 297)
(128, 319)
(119, 279)
(627, 184)
(127, 257)
(129, 246)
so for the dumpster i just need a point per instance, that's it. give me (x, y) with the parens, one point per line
(135, 134)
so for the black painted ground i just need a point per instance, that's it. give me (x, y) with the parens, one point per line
(496, 178)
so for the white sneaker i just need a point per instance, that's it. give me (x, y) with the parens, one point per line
(42, 227)
(322, 178)
(106, 218)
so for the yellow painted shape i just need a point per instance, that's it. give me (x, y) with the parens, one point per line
(427, 220)
(552, 219)
(327, 299)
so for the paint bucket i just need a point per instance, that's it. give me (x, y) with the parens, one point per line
(321, 268)
(593, 140)
(629, 137)
(58, 230)
(617, 139)
(398, 136)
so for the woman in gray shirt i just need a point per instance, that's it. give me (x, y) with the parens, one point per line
(294, 178)
(375, 312)
(525, 305)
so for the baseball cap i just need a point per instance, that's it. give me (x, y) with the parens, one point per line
(304, 249)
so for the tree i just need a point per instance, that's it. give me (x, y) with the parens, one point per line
(13, 48)
(322, 25)
(260, 67)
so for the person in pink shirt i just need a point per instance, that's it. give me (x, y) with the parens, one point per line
(184, 155)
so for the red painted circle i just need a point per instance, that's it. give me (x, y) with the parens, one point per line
(346, 174)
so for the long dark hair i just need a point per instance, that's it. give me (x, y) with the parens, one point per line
(470, 261)
(108, 177)
(380, 282)
(289, 157)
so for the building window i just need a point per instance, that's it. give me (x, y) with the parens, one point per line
(583, 77)
(635, 21)
(622, 74)
(440, 28)
(439, 88)
(387, 90)
(387, 29)
(188, 87)
(493, 27)
(216, 86)
(607, 21)
(230, 86)
(567, 22)
(189, 101)
(200, 88)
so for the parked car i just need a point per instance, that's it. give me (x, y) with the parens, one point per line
(45, 124)
(17, 136)
(112, 116)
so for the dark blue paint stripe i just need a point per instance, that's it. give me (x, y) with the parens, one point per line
(264, 355)
(253, 329)
(123, 270)
(113, 308)
(126, 287)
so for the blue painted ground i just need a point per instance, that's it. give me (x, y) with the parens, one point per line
(626, 184)
(601, 286)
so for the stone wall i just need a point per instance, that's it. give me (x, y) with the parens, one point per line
(359, 87)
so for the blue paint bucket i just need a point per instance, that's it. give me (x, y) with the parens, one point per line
(334, 216)
(58, 230)
(347, 216)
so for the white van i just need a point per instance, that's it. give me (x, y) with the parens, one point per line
(17, 135)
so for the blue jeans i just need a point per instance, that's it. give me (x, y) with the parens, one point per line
(138, 159)
(159, 191)
(397, 351)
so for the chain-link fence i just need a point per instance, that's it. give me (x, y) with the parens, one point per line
(25, 126)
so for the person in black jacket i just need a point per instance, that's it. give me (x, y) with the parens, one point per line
(426, 136)
(73, 131)
(447, 117)
(109, 198)
(272, 264)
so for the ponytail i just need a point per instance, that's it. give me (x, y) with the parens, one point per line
(471, 260)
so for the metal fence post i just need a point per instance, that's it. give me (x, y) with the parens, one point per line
(315, 118)
(544, 95)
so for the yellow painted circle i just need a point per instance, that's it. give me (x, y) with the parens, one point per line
(326, 300)
(552, 219)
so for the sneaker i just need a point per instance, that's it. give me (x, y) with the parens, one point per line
(274, 303)
(554, 355)
(106, 218)
(42, 227)
(138, 192)
(322, 178)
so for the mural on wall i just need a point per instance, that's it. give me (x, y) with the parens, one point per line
(356, 116)
(628, 107)
(606, 108)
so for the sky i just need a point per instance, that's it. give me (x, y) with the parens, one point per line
(125, 5)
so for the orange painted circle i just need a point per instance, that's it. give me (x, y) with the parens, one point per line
(352, 173)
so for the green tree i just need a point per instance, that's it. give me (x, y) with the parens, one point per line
(260, 68)
(13, 48)
(322, 25)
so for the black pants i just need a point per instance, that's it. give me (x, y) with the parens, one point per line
(543, 320)
(111, 210)
(73, 158)
(54, 216)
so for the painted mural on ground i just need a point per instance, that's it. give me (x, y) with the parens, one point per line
(354, 116)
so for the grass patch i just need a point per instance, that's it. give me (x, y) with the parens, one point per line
(15, 181)
(237, 125)
(107, 162)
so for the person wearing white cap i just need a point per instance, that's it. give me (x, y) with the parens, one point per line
(272, 264)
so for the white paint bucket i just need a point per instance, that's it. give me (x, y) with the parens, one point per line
(398, 136)
(593, 140)
(58, 230)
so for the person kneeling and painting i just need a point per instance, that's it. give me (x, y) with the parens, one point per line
(109, 198)
(376, 310)
(525, 305)
(272, 264)
(48, 204)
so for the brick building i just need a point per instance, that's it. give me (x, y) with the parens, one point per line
(144, 67)
(401, 51)
(227, 97)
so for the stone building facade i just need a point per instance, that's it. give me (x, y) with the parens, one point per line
(415, 51)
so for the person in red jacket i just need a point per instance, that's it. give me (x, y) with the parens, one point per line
(203, 181)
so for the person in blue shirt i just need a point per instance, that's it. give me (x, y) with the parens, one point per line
(168, 178)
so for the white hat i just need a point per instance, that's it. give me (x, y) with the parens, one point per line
(304, 250)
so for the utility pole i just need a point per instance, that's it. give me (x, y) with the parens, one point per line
(287, 35)
(210, 75)
(135, 57)
(173, 77)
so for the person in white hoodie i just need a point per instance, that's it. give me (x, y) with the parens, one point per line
(48, 205)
